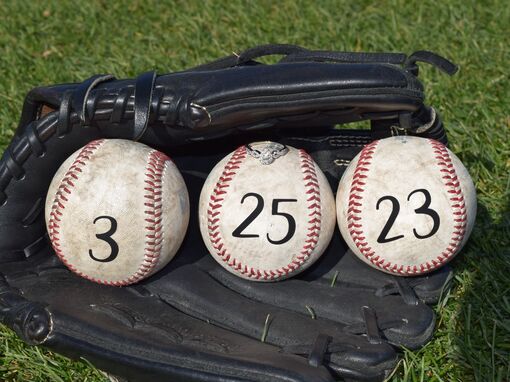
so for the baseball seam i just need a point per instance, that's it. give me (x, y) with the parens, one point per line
(156, 165)
(457, 202)
(355, 205)
(312, 190)
(64, 190)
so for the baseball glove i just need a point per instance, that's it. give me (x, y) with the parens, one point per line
(193, 321)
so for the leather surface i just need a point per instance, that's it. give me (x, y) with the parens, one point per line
(193, 286)
(193, 321)
(308, 88)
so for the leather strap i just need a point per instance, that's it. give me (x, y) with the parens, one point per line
(80, 96)
(64, 114)
(36, 246)
(143, 101)
(120, 104)
(319, 349)
(34, 141)
(268, 50)
(346, 57)
(15, 169)
(430, 58)
(34, 212)
(372, 329)
(406, 291)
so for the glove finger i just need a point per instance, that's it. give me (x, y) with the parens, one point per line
(190, 289)
(193, 291)
(131, 333)
(338, 263)
(337, 269)
(405, 324)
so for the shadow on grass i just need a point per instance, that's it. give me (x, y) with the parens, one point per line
(481, 325)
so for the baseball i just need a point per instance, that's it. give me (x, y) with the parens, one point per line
(266, 211)
(406, 205)
(116, 211)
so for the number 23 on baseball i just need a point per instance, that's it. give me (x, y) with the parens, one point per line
(406, 205)
(424, 209)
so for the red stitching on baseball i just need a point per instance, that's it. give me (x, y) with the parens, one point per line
(59, 202)
(314, 224)
(156, 165)
(457, 204)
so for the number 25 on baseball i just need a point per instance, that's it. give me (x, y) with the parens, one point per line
(424, 209)
(239, 231)
(249, 228)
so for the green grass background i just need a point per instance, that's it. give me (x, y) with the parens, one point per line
(54, 42)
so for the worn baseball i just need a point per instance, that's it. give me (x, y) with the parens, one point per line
(117, 211)
(266, 212)
(406, 205)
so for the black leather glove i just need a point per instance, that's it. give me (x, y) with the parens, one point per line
(193, 321)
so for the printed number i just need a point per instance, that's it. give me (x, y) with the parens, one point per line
(291, 222)
(423, 210)
(107, 237)
(393, 216)
(238, 232)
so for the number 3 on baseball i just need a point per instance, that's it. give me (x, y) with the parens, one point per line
(266, 212)
(406, 205)
(116, 211)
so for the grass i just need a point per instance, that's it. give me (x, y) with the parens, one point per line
(53, 42)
